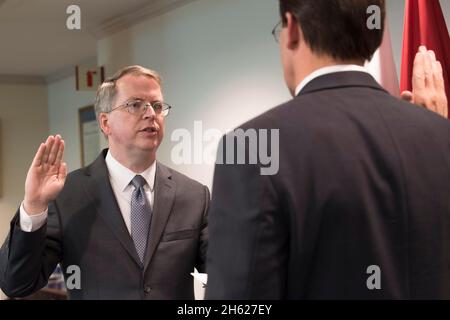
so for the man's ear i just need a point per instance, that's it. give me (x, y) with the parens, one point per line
(293, 32)
(103, 121)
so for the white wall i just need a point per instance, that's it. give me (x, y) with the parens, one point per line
(63, 105)
(24, 124)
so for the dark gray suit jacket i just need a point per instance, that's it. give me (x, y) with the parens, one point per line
(85, 228)
(364, 179)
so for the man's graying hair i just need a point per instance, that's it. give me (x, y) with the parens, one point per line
(107, 91)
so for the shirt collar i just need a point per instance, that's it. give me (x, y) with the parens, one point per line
(122, 176)
(327, 70)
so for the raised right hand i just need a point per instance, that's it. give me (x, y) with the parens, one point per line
(46, 176)
(427, 83)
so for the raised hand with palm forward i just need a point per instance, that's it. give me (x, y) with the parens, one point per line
(46, 176)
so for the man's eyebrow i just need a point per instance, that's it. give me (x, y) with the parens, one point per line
(135, 98)
(144, 99)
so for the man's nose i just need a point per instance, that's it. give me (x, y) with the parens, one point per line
(149, 113)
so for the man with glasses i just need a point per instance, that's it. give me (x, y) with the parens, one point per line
(132, 227)
(359, 208)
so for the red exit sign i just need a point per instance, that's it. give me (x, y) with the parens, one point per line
(88, 78)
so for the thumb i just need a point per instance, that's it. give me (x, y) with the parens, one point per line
(407, 96)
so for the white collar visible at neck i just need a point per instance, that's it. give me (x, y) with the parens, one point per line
(123, 176)
(327, 70)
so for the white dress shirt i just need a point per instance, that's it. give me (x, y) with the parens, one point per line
(327, 70)
(120, 178)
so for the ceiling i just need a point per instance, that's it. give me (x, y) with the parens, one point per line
(35, 41)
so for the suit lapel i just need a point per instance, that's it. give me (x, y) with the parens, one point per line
(164, 198)
(99, 190)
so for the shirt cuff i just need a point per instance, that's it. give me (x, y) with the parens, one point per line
(32, 223)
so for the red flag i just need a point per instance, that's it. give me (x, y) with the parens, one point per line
(424, 25)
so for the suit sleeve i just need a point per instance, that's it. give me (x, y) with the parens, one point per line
(248, 248)
(27, 259)
(203, 242)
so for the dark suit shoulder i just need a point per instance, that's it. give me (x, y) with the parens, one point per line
(403, 117)
(77, 173)
(318, 108)
(74, 179)
(411, 111)
(180, 178)
(268, 119)
(289, 111)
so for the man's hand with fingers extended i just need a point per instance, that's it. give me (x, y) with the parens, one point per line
(46, 176)
(428, 83)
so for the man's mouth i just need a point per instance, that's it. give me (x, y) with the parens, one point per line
(150, 130)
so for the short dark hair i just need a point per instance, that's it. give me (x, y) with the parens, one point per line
(337, 28)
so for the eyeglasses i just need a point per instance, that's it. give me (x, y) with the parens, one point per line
(139, 107)
(277, 30)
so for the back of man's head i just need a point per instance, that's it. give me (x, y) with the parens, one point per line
(337, 28)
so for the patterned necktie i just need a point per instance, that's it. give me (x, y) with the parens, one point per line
(140, 216)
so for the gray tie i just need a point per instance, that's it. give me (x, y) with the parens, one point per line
(141, 214)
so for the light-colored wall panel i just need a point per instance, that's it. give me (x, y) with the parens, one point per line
(63, 105)
(24, 117)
